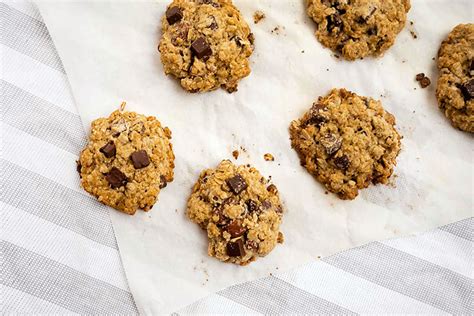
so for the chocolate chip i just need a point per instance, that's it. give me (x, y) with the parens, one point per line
(251, 38)
(251, 205)
(116, 178)
(140, 159)
(342, 162)
(471, 69)
(237, 40)
(468, 90)
(372, 31)
(236, 249)
(266, 205)
(213, 26)
(201, 49)
(78, 166)
(331, 143)
(109, 150)
(163, 182)
(315, 117)
(272, 189)
(173, 15)
(425, 82)
(333, 22)
(235, 229)
(420, 76)
(237, 184)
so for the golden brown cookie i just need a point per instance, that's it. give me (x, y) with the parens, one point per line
(358, 28)
(346, 141)
(240, 211)
(128, 160)
(455, 91)
(206, 44)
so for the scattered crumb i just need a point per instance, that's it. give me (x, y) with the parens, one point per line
(411, 22)
(326, 192)
(327, 69)
(423, 80)
(243, 149)
(258, 16)
(271, 274)
(277, 30)
(302, 52)
(336, 56)
(276, 268)
(413, 34)
(319, 257)
(433, 58)
(176, 210)
(404, 61)
(268, 157)
(235, 153)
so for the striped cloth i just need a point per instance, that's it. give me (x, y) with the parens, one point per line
(60, 256)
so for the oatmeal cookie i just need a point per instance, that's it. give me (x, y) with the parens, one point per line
(346, 141)
(128, 160)
(455, 91)
(240, 211)
(358, 28)
(206, 44)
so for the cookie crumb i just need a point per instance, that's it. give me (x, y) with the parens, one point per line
(235, 153)
(302, 52)
(413, 34)
(326, 192)
(423, 80)
(268, 157)
(258, 16)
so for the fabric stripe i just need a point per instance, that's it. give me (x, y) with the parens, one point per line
(438, 247)
(32, 273)
(18, 302)
(274, 296)
(28, 36)
(88, 256)
(463, 229)
(421, 280)
(17, 149)
(37, 78)
(50, 201)
(216, 304)
(42, 119)
(353, 292)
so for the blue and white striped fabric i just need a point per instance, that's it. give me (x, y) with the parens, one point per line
(60, 256)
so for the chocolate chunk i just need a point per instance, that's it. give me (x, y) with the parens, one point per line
(116, 178)
(316, 118)
(333, 22)
(468, 90)
(372, 31)
(109, 150)
(201, 49)
(140, 159)
(237, 184)
(78, 166)
(272, 189)
(471, 69)
(425, 82)
(331, 143)
(237, 40)
(173, 15)
(236, 249)
(251, 205)
(420, 76)
(342, 162)
(235, 229)
(163, 182)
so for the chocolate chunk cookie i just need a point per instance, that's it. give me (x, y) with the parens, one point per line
(240, 211)
(206, 44)
(358, 28)
(346, 141)
(455, 91)
(127, 161)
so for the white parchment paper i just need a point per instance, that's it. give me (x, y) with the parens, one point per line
(109, 50)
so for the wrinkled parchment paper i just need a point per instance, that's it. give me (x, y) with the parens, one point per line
(109, 50)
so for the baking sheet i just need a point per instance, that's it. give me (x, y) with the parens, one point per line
(109, 50)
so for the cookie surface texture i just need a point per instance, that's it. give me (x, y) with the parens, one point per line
(240, 211)
(358, 28)
(347, 142)
(455, 91)
(205, 44)
(128, 160)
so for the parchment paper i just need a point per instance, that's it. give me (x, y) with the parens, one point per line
(109, 50)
